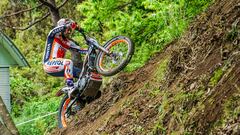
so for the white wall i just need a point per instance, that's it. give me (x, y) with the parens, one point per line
(5, 87)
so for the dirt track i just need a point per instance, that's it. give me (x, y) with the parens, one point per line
(188, 100)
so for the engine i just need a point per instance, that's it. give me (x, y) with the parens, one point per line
(90, 84)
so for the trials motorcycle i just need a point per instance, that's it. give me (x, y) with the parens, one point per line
(106, 60)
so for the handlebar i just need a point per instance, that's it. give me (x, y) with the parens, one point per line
(88, 40)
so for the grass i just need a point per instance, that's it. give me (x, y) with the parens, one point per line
(157, 78)
(37, 109)
(231, 111)
(161, 69)
(217, 75)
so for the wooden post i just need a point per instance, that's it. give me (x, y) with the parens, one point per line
(6, 117)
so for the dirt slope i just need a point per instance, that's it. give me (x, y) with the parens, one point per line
(124, 87)
(193, 87)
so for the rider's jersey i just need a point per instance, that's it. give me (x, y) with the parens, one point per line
(57, 44)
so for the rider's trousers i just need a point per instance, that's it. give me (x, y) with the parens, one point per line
(60, 67)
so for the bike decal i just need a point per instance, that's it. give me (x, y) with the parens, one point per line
(116, 42)
(63, 117)
(83, 51)
(96, 76)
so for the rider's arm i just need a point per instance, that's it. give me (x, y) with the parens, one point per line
(73, 45)
(60, 31)
(57, 31)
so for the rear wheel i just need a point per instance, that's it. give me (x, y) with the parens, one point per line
(121, 50)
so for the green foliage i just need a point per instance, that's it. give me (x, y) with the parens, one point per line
(194, 7)
(233, 33)
(216, 77)
(231, 112)
(3, 4)
(161, 69)
(162, 110)
(22, 90)
(178, 105)
(232, 107)
(35, 109)
(150, 24)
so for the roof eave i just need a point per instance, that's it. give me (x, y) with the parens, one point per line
(14, 51)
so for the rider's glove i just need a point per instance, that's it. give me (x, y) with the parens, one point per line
(75, 26)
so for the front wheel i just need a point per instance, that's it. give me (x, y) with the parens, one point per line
(64, 115)
(121, 50)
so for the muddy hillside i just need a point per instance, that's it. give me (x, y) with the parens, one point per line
(192, 87)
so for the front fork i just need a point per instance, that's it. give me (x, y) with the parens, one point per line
(72, 101)
(103, 49)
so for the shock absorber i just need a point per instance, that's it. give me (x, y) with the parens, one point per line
(92, 58)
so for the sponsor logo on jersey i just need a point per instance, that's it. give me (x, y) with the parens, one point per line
(57, 62)
(57, 30)
(48, 50)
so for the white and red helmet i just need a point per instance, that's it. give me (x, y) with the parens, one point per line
(70, 24)
(64, 21)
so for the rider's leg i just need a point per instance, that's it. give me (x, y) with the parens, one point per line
(76, 72)
(68, 72)
(54, 67)
(61, 68)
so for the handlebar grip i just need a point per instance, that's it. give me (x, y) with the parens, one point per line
(80, 30)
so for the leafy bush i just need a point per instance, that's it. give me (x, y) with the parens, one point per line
(35, 109)
(151, 24)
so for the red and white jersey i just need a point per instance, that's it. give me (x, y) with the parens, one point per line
(57, 44)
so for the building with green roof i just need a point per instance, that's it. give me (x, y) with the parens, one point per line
(9, 56)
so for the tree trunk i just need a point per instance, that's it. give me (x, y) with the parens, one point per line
(55, 15)
(4, 130)
(6, 117)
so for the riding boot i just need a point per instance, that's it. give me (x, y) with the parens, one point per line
(72, 87)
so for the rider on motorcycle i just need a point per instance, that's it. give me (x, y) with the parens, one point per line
(58, 42)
